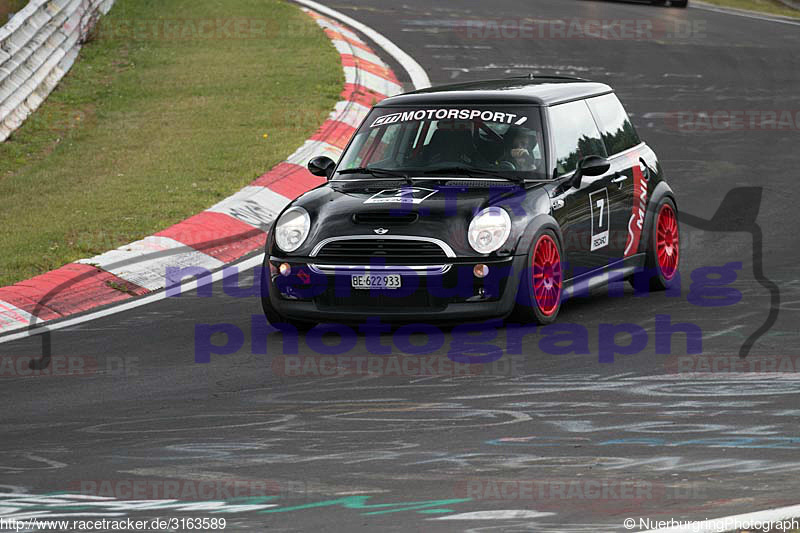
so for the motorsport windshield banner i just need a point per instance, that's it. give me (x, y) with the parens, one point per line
(485, 115)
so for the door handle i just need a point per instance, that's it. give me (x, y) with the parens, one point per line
(619, 179)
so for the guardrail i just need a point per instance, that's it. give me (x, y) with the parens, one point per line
(37, 47)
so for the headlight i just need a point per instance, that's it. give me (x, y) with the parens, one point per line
(291, 229)
(489, 230)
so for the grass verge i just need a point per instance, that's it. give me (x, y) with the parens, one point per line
(161, 117)
(10, 6)
(765, 6)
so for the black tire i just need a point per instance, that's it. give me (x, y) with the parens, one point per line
(273, 317)
(679, 3)
(653, 278)
(527, 309)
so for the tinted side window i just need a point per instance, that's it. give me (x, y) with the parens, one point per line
(575, 135)
(618, 132)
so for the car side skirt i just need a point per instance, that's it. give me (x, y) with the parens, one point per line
(583, 284)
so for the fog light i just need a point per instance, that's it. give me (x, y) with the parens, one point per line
(285, 269)
(480, 271)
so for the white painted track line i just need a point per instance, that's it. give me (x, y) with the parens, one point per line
(418, 76)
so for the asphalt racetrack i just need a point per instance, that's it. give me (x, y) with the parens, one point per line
(539, 440)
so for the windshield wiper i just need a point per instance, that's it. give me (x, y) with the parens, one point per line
(378, 173)
(475, 172)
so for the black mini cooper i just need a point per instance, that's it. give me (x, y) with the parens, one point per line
(498, 198)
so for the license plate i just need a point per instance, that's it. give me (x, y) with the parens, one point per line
(376, 281)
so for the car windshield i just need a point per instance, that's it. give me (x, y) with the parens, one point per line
(479, 141)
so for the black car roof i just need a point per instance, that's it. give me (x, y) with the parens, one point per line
(528, 90)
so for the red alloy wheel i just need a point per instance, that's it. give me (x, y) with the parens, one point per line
(667, 244)
(546, 275)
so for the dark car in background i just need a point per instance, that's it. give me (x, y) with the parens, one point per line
(672, 3)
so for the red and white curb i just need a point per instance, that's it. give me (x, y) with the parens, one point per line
(227, 231)
(746, 13)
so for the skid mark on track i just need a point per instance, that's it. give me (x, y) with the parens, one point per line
(28, 462)
(189, 423)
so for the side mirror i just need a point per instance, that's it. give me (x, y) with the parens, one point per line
(592, 165)
(322, 166)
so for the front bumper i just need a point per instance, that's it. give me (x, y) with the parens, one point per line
(323, 293)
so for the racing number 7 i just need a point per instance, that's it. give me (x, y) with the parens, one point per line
(598, 200)
(600, 203)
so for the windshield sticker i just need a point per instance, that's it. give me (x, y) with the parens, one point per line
(450, 114)
(409, 195)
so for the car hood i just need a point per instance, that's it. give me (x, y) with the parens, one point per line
(432, 209)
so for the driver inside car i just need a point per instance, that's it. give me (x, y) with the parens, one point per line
(522, 144)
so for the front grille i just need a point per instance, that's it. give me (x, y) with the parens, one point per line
(385, 218)
(382, 251)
